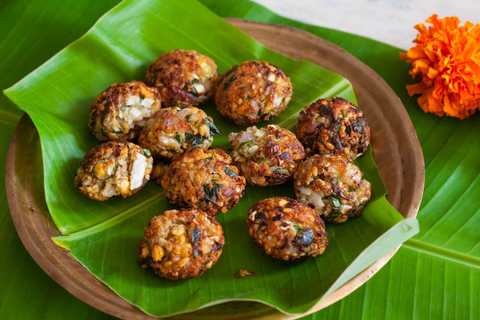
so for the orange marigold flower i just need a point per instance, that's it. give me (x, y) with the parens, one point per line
(446, 60)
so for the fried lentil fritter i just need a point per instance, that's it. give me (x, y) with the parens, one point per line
(181, 244)
(333, 126)
(266, 156)
(204, 179)
(122, 109)
(114, 169)
(183, 77)
(287, 229)
(333, 186)
(253, 91)
(173, 131)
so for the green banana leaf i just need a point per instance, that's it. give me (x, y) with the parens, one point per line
(421, 281)
(103, 236)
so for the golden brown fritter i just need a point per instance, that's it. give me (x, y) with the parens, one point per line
(172, 131)
(253, 91)
(114, 169)
(266, 156)
(204, 179)
(180, 244)
(333, 186)
(183, 77)
(287, 229)
(159, 169)
(122, 109)
(333, 126)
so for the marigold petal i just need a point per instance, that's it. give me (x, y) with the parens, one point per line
(432, 73)
(416, 88)
(415, 53)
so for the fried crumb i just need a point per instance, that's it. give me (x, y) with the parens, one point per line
(242, 273)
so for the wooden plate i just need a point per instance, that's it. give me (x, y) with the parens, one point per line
(396, 147)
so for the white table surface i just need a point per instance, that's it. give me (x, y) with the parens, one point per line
(390, 21)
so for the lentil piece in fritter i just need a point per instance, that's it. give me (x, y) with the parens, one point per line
(333, 126)
(114, 169)
(122, 109)
(204, 179)
(266, 156)
(183, 77)
(287, 229)
(181, 244)
(253, 91)
(333, 186)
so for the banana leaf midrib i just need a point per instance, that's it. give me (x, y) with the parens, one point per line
(448, 254)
